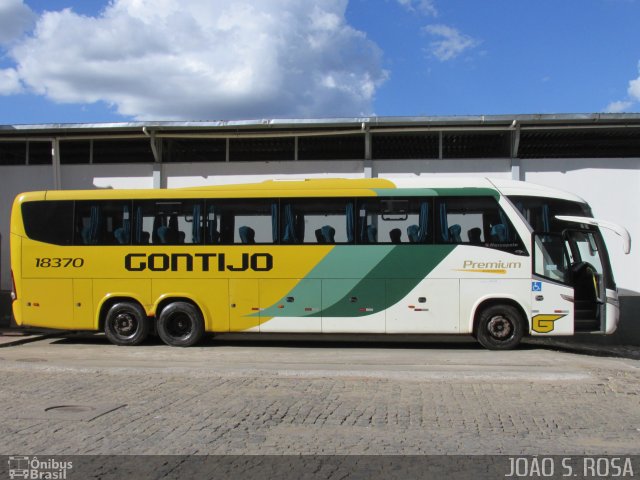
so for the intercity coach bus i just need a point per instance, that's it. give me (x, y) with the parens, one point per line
(494, 259)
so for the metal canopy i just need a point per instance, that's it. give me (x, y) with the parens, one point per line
(370, 138)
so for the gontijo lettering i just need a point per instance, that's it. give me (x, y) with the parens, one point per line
(203, 262)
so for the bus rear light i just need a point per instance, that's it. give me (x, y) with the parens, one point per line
(14, 293)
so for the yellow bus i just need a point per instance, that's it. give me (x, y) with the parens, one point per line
(315, 256)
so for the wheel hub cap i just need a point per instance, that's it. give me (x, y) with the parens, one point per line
(179, 326)
(500, 327)
(125, 324)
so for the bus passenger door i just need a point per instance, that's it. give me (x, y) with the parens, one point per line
(353, 305)
(551, 295)
(83, 314)
(588, 279)
(244, 305)
(291, 305)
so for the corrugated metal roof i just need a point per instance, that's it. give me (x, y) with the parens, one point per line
(449, 137)
(525, 120)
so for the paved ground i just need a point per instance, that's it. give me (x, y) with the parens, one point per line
(84, 396)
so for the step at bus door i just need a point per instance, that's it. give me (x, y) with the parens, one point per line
(587, 279)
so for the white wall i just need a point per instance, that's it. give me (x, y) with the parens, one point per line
(485, 167)
(78, 177)
(196, 174)
(15, 180)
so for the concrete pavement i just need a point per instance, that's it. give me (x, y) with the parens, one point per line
(84, 396)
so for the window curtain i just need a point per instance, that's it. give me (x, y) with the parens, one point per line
(545, 218)
(137, 237)
(158, 222)
(444, 224)
(505, 222)
(90, 232)
(195, 226)
(423, 221)
(274, 222)
(289, 234)
(126, 222)
(212, 225)
(351, 222)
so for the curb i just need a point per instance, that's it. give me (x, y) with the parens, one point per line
(621, 351)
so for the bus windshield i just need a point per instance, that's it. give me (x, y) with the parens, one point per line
(541, 212)
(558, 245)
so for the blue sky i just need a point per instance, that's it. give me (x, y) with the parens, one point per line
(98, 61)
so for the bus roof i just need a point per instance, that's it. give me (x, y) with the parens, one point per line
(319, 187)
(527, 189)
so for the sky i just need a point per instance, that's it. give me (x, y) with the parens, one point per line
(85, 61)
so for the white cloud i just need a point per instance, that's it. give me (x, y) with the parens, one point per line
(15, 19)
(9, 82)
(427, 7)
(205, 59)
(633, 92)
(451, 43)
(634, 89)
(618, 107)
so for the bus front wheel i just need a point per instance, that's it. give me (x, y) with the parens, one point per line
(180, 324)
(500, 327)
(126, 323)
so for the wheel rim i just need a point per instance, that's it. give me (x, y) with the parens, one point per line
(125, 325)
(179, 325)
(500, 328)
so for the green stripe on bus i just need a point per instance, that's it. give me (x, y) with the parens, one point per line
(356, 285)
(406, 264)
(346, 263)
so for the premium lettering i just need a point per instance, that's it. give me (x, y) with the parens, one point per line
(491, 265)
(201, 262)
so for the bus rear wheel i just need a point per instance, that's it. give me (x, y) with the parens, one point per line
(180, 324)
(500, 327)
(126, 323)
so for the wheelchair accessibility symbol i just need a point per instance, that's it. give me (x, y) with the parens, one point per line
(536, 286)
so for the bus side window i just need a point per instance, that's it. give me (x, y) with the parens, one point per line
(241, 221)
(49, 221)
(394, 220)
(317, 220)
(475, 221)
(103, 222)
(168, 222)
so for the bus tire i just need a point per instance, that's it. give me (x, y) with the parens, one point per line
(126, 323)
(180, 324)
(500, 327)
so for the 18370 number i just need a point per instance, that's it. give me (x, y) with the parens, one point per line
(56, 262)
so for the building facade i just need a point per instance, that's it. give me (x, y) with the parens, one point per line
(596, 156)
